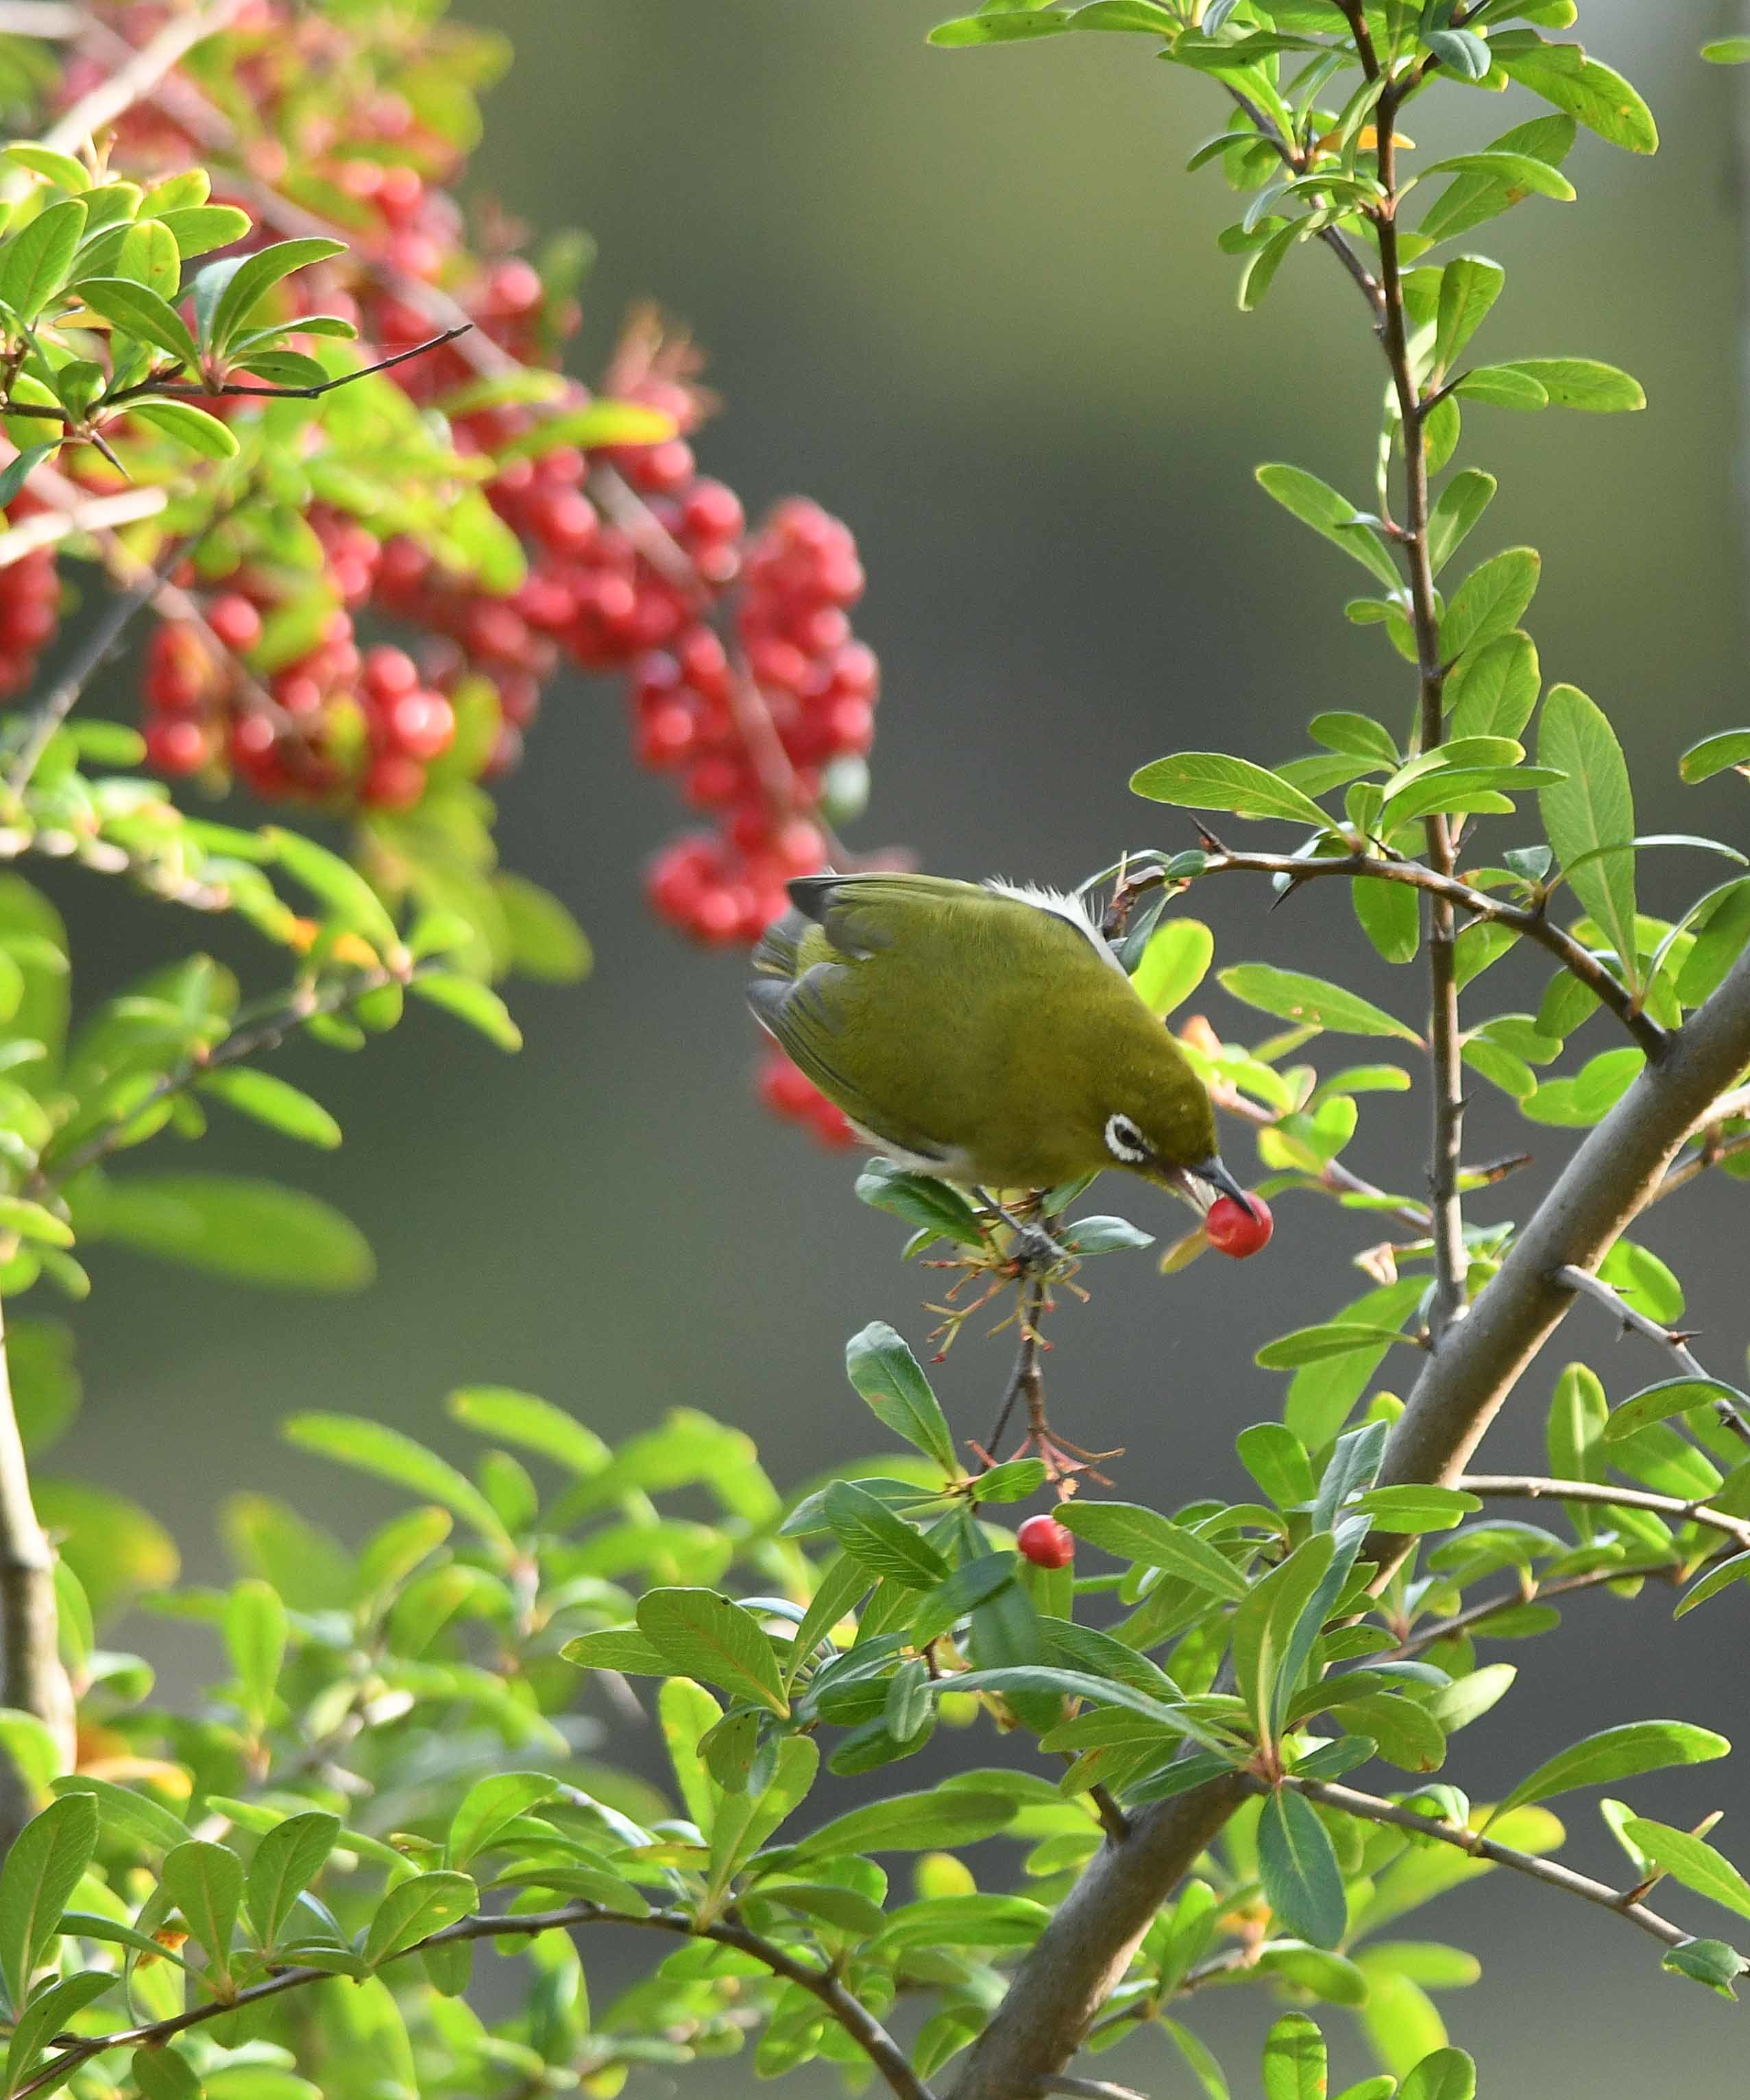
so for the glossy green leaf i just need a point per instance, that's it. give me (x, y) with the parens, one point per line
(1315, 503)
(1132, 1533)
(1582, 382)
(206, 1883)
(414, 1909)
(1614, 1754)
(1211, 780)
(195, 428)
(883, 1371)
(1198, 2059)
(34, 262)
(885, 1544)
(1174, 963)
(1657, 1403)
(1601, 99)
(1717, 1578)
(286, 1859)
(944, 1817)
(1490, 603)
(138, 311)
(707, 1636)
(1311, 1001)
(1592, 807)
(1693, 1861)
(1447, 2074)
(1709, 1961)
(43, 1868)
(1458, 508)
(227, 293)
(477, 1004)
(1516, 171)
(1715, 754)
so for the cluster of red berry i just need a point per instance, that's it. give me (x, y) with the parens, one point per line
(30, 596)
(744, 680)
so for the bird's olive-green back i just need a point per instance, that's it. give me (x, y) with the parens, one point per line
(963, 1023)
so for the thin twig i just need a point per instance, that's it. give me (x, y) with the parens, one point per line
(1088, 2089)
(1613, 1301)
(1025, 1381)
(63, 695)
(161, 389)
(1714, 1146)
(1371, 1809)
(1435, 1631)
(1477, 904)
(856, 2019)
(1526, 1487)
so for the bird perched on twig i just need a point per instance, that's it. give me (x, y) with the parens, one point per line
(984, 1034)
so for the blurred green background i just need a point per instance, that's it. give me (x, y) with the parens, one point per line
(972, 302)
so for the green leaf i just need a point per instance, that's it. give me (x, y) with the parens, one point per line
(1601, 99)
(1502, 387)
(1461, 504)
(1582, 382)
(1294, 2054)
(489, 1806)
(537, 1424)
(256, 1633)
(1692, 1861)
(1333, 516)
(335, 885)
(162, 2072)
(478, 1004)
(922, 1200)
(227, 293)
(547, 942)
(1390, 914)
(19, 470)
(1447, 2074)
(35, 262)
(945, 1818)
(1614, 1754)
(1414, 1506)
(1469, 286)
(1332, 1338)
(373, 1447)
(47, 2013)
(1657, 1403)
(265, 1098)
(135, 1816)
(602, 422)
(1714, 754)
(1462, 52)
(1727, 50)
(1716, 1579)
(64, 170)
(1174, 963)
(885, 1544)
(200, 228)
(138, 311)
(1490, 601)
(619, 1648)
(47, 1860)
(1493, 691)
(1310, 1001)
(1132, 1532)
(206, 1883)
(228, 1226)
(1709, 1961)
(414, 1909)
(1518, 171)
(188, 426)
(883, 1371)
(1199, 2060)
(707, 1636)
(287, 1859)
(1471, 199)
(1211, 780)
(1592, 807)
(30, 1221)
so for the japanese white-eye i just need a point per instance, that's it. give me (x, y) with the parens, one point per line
(986, 1034)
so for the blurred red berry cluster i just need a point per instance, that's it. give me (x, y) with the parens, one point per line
(743, 678)
(30, 600)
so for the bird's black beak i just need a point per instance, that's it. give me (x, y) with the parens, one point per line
(1214, 1175)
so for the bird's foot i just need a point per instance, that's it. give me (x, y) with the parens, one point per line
(1032, 1250)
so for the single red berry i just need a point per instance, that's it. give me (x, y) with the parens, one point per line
(1044, 1541)
(1231, 1229)
(235, 621)
(176, 746)
(393, 781)
(421, 724)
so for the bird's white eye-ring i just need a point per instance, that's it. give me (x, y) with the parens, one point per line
(1123, 1140)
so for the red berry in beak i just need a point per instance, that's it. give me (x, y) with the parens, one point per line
(1044, 1541)
(1231, 1229)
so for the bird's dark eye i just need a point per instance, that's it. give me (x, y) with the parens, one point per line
(1124, 1141)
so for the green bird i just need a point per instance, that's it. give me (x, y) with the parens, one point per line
(984, 1034)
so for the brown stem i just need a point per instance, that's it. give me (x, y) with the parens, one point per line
(1372, 1810)
(1528, 1487)
(852, 2015)
(32, 1679)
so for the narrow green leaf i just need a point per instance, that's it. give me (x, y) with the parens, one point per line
(373, 1447)
(1490, 601)
(1132, 1533)
(1614, 1754)
(1709, 1961)
(945, 1817)
(886, 1545)
(265, 1098)
(42, 1869)
(1582, 382)
(1716, 1579)
(477, 1004)
(1469, 286)
(1303, 1882)
(1715, 754)
(246, 283)
(188, 426)
(206, 1883)
(1593, 806)
(138, 311)
(1518, 171)
(489, 1805)
(1315, 503)
(1658, 1403)
(1461, 504)
(1447, 2074)
(1310, 1001)
(1601, 99)
(1199, 2060)
(287, 1859)
(35, 262)
(536, 1424)
(1692, 1861)
(883, 1371)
